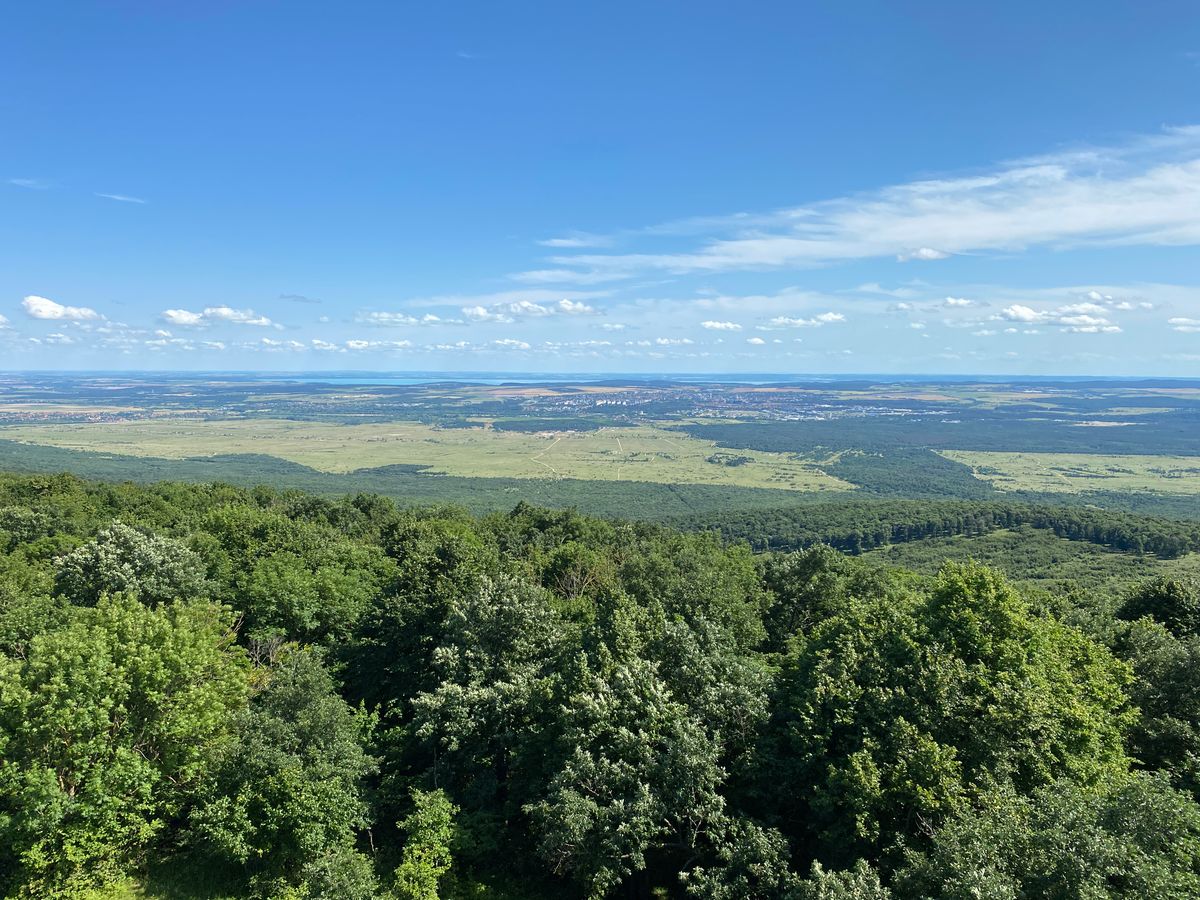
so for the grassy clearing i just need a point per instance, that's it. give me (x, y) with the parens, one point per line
(645, 454)
(1075, 472)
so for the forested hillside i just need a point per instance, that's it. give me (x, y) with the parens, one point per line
(215, 692)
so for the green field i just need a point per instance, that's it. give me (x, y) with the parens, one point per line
(1075, 472)
(639, 454)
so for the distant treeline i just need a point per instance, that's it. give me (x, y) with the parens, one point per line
(856, 527)
(1163, 433)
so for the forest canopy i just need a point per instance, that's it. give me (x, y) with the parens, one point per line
(210, 691)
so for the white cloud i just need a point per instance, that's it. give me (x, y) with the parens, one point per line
(825, 318)
(185, 318)
(512, 310)
(1184, 324)
(358, 344)
(1020, 313)
(924, 254)
(236, 316)
(721, 326)
(958, 302)
(3, 321)
(1075, 318)
(756, 341)
(575, 308)
(44, 308)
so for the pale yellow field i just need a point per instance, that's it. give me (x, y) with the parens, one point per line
(1073, 472)
(612, 454)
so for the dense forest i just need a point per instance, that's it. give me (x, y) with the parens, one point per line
(221, 692)
(1011, 428)
(857, 526)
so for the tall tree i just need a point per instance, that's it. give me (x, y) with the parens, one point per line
(108, 725)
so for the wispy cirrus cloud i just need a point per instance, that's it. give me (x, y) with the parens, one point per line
(564, 276)
(1144, 192)
(577, 239)
(120, 198)
(30, 184)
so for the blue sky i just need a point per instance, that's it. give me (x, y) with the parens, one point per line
(584, 187)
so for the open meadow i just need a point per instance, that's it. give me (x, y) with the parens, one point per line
(1075, 472)
(644, 454)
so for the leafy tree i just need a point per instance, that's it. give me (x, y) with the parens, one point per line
(122, 559)
(809, 585)
(108, 724)
(752, 864)
(694, 577)
(575, 570)
(888, 713)
(291, 578)
(859, 882)
(1166, 690)
(1173, 602)
(22, 525)
(436, 562)
(638, 774)
(26, 604)
(288, 801)
(426, 857)
(747, 862)
(287, 595)
(478, 731)
(1129, 837)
